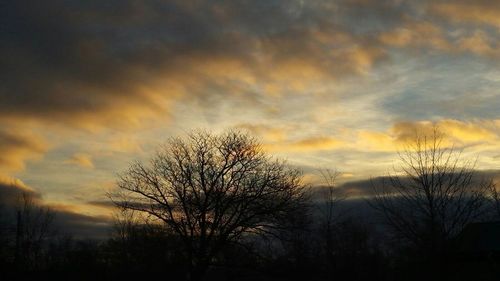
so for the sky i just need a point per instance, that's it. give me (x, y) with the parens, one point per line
(87, 87)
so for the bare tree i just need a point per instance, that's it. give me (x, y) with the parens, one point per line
(495, 195)
(210, 190)
(331, 198)
(125, 223)
(434, 195)
(33, 228)
(329, 210)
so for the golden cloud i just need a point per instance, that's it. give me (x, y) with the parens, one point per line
(375, 141)
(306, 145)
(15, 182)
(483, 12)
(470, 132)
(453, 132)
(124, 144)
(416, 34)
(17, 147)
(478, 133)
(479, 43)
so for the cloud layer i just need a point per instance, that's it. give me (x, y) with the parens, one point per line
(88, 86)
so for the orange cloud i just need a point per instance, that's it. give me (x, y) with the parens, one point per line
(468, 132)
(483, 12)
(479, 43)
(306, 145)
(17, 147)
(454, 132)
(375, 141)
(416, 34)
(14, 182)
(124, 144)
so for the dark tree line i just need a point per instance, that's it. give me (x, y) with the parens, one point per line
(216, 207)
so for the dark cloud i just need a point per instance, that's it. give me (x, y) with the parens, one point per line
(11, 190)
(76, 59)
(65, 221)
(102, 203)
(365, 188)
(95, 61)
(54, 63)
(82, 226)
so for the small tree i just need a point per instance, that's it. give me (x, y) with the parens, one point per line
(330, 199)
(330, 213)
(495, 195)
(434, 195)
(210, 190)
(34, 226)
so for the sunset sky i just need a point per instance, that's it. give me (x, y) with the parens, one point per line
(86, 87)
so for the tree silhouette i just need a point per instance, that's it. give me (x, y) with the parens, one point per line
(434, 195)
(330, 215)
(495, 195)
(210, 190)
(34, 226)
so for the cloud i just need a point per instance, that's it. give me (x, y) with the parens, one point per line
(482, 12)
(267, 132)
(452, 27)
(82, 226)
(11, 189)
(284, 139)
(93, 68)
(66, 220)
(454, 132)
(479, 43)
(416, 34)
(317, 143)
(421, 35)
(312, 144)
(16, 147)
(481, 133)
(124, 144)
(375, 141)
(82, 160)
(108, 204)
(444, 87)
(471, 132)
(365, 187)
(76, 65)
